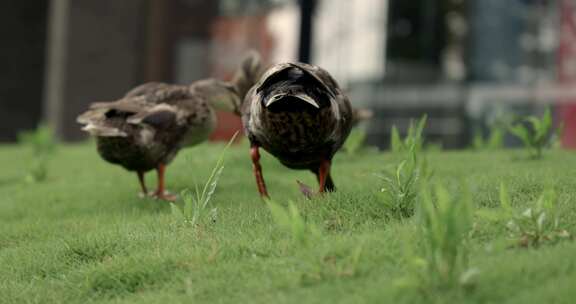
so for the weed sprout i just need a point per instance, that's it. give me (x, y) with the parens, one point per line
(196, 203)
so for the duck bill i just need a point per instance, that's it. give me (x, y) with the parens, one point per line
(103, 131)
(302, 97)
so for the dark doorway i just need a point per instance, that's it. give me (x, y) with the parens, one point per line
(22, 51)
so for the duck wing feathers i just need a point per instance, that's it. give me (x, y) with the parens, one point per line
(157, 105)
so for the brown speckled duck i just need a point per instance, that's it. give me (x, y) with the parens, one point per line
(298, 113)
(146, 129)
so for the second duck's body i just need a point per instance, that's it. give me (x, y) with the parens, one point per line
(172, 118)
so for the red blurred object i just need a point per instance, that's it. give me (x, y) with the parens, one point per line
(228, 124)
(232, 37)
(567, 71)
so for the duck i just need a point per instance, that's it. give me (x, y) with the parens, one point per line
(146, 128)
(298, 113)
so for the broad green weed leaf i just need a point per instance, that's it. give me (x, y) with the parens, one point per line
(279, 214)
(547, 120)
(395, 141)
(355, 140)
(522, 133)
(496, 139)
(505, 198)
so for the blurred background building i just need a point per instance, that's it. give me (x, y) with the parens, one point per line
(464, 62)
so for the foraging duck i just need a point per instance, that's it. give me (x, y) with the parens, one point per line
(298, 113)
(147, 127)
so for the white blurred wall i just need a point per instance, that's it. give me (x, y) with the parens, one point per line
(350, 39)
(284, 24)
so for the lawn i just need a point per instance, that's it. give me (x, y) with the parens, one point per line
(83, 235)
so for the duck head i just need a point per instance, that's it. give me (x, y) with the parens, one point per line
(248, 73)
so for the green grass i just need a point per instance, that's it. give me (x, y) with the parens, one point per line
(83, 235)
